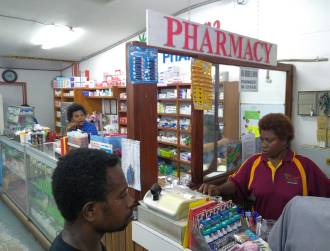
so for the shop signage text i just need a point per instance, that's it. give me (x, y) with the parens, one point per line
(174, 58)
(181, 35)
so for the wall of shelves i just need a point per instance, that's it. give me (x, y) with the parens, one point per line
(122, 110)
(92, 100)
(174, 128)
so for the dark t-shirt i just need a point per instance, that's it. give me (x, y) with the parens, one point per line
(59, 245)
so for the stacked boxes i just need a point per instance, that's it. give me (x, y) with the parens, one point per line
(323, 133)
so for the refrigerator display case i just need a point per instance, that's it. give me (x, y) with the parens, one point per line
(27, 173)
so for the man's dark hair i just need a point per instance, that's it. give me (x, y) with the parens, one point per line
(80, 177)
(279, 124)
(74, 108)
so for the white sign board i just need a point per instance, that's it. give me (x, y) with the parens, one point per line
(181, 35)
(248, 79)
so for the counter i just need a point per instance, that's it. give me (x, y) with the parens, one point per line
(152, 240)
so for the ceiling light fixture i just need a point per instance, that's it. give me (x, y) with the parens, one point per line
(52, 36)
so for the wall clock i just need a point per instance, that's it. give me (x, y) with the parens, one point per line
(9, 76)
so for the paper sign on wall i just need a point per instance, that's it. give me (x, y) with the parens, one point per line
(201, 84)
(248, 79)
(131, 162)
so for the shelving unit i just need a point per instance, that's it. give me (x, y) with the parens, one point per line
(122, 109)
(174, 112)
(85, 97)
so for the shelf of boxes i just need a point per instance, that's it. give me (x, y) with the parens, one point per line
(174, 131)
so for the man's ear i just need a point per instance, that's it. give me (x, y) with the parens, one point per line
(89, 211)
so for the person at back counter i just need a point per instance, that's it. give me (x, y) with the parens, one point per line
(76, 115)
(271, 179)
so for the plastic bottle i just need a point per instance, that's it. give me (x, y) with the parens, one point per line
(233, 223)
(238, 221)
(214, 233)
(220, 233)
(207, 235)
(223, 227)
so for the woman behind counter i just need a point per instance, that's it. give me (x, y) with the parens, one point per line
(76, 115)
(271, 179)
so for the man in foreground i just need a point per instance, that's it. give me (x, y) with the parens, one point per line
(90, 191)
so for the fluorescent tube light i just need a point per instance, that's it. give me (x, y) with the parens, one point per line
(52, 36)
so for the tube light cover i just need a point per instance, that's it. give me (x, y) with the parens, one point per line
(52, 36)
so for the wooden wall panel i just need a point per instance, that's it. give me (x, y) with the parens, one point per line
(231, 110)
(90, 105)
(122, 241)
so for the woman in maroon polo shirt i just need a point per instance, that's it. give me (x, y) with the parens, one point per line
(272, 178)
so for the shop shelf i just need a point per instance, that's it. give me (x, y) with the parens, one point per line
(185, 115)
(167, 143)
(173, 85)
(94, 88)
(43, 186)
(185, 147)
(100, 97)
(185, 162)
(185, 100)
(168, 114)
(167, 99)
(167, 129)
(185, 131)
(168, 158)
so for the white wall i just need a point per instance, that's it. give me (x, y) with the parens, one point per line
(39, 93)
(300, 28)
(106, 62)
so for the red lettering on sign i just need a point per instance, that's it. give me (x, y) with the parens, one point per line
(221, 41)
(235, 46)
(268, 47)
(170, 30)
(188, 37)
(248, 51)
(255, 51)
(206, 42)
(216, 24)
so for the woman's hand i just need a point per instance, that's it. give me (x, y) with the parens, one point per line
(71, 126)
(209, 189)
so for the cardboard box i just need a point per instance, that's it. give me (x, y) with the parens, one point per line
(322, 137)
(322, 122)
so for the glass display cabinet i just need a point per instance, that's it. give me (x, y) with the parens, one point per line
(14, 183)
(26, 181)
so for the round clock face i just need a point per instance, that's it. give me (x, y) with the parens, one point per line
(9, 76)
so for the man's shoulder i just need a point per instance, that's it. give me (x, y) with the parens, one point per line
(59, 245)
